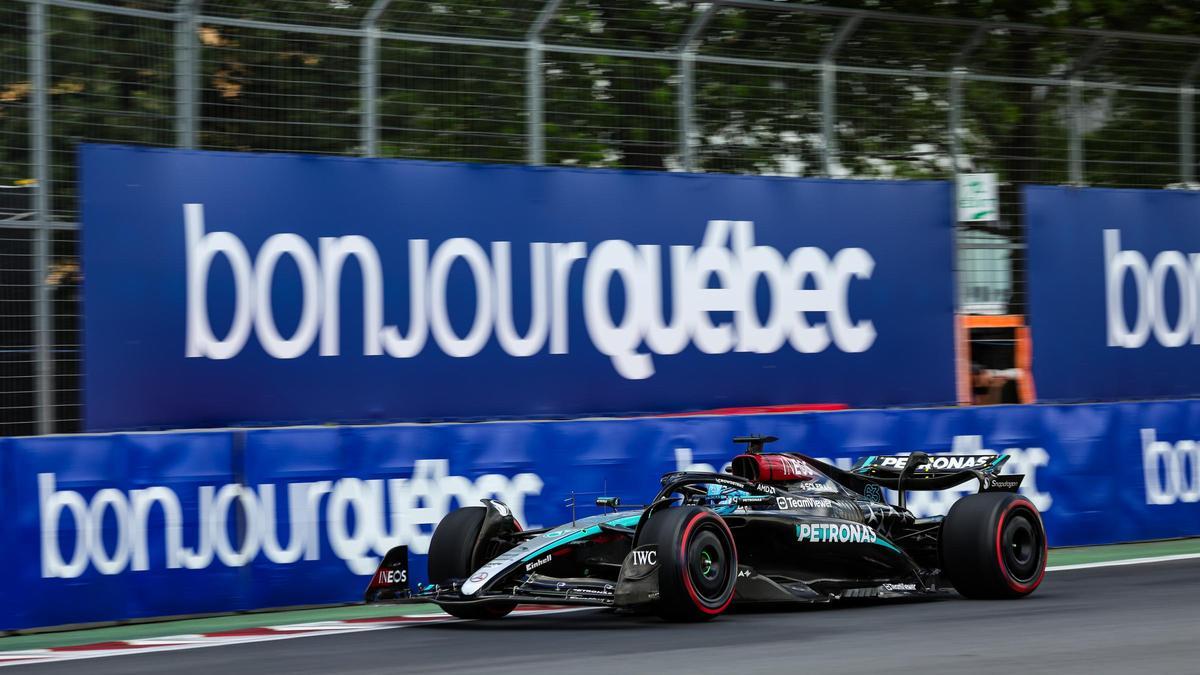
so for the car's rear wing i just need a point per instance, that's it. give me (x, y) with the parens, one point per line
(935, 472)
(932, 464)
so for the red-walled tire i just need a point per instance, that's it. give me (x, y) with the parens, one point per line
(994, 546)
(452, 556)
(697, 562)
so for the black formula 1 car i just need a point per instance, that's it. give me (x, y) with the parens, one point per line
(780, 528)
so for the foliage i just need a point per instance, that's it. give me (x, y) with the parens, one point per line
(112, 79)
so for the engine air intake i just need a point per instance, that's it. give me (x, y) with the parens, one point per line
(773, 468)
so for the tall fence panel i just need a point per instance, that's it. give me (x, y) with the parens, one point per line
(739, 86)
(450, 102)
(18, 338)
(110, 79)
(264, 89)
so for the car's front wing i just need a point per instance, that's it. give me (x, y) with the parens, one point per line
(533, 589)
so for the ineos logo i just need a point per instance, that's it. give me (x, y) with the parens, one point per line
(393, 576)
(1172, 471)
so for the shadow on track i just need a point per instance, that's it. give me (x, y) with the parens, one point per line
(610, 620)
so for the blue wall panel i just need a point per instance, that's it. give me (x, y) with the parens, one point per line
(1114, 292)
(276, 517)
(782, 290)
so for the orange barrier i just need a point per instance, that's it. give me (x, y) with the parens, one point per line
(965, 323)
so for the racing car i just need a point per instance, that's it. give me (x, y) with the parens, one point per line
(779, 528)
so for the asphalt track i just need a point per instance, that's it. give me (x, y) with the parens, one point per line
(1132, 619)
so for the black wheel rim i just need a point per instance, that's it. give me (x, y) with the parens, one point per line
(708, 563)
(1023, 546)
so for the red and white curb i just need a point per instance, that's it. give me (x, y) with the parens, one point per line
(240, 636)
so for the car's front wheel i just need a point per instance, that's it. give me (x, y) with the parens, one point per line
(453, 554)
(697, 562)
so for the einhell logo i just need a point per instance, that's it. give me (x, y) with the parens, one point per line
(1150, 282)
(809, 290)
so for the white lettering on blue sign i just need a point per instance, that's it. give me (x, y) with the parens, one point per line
(363, 520)
(1149, 282)
(805, 282)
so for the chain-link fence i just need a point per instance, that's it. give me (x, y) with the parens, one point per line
(747, 86)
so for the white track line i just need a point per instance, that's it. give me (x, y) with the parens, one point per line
(45, 656)
(193, 641)
(1119, 563)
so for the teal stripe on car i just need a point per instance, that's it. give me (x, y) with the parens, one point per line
(566, 539)
(627, 521)
(882, 541)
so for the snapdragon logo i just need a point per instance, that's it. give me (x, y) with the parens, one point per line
(805, 284)
(1171, 470)
(1150, 282)
(361, 520)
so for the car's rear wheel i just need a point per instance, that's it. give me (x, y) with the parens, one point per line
(696, 560)
(453, 555)
(994, 546)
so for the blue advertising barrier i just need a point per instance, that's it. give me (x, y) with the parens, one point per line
(1114, 292)
(226, 289)
(118, 526)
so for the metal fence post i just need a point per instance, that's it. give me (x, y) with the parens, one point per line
(39, 80)
(186, 63)
(534, 94)
(958, 68)
(955, 120)
(1075, 158)
(369, 78)
(828, 130)
(687, 73)
(828, 93)
(1187, 135)
(1075, 135)
(1187, 125)
(687, 68)
(535, 120)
